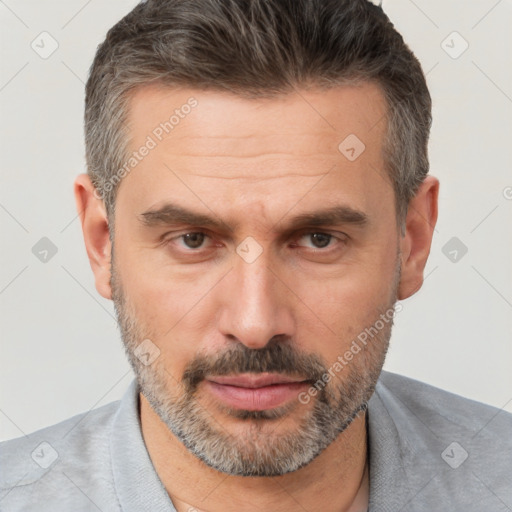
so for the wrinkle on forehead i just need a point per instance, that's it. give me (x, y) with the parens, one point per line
(233, 149)
(223, 116)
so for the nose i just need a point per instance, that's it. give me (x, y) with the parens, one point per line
(255, 306)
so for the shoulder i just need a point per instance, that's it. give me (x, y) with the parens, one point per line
(449, 449)
(454, 413)
(70, 456)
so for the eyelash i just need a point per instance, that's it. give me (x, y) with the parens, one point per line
(326, 250)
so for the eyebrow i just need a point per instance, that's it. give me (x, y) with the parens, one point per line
(171, 214)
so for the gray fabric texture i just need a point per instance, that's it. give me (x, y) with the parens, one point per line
(429, 450)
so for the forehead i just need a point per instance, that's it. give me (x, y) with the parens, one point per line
(178, 118)
(206, 141)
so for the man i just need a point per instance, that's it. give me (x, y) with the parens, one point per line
(256, 203)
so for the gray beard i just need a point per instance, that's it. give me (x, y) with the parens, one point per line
(261, 450)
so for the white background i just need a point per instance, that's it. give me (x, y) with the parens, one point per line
(60, 349)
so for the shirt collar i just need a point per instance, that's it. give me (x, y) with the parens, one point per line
(138, 487)
(387, 474)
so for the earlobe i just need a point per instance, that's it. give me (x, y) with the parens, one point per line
(415, 245)
(93, 218)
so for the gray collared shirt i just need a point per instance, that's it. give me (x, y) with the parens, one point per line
(429, 450)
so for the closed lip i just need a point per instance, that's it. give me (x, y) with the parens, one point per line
(254, 380)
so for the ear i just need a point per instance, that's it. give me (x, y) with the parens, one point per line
(93, 217)
(415, 244)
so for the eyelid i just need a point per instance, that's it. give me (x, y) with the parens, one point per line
(340, 237)
(334, 233)
(170, 235)
(179, 236)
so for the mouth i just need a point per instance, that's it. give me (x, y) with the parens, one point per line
(255, 392)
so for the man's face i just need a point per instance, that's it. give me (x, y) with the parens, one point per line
(271, 285)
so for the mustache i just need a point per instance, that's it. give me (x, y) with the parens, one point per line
(276, 357)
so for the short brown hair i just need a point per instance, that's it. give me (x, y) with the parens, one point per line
(257, 48)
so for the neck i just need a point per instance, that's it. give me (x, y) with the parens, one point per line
(335, 481)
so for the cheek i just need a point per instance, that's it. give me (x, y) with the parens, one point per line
(160, 295)
(175, 310)
(342, 306)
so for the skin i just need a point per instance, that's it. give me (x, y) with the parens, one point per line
(257, 163)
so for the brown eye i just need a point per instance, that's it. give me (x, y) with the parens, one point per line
(316, 240)
(193, 240)
(320, 240)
